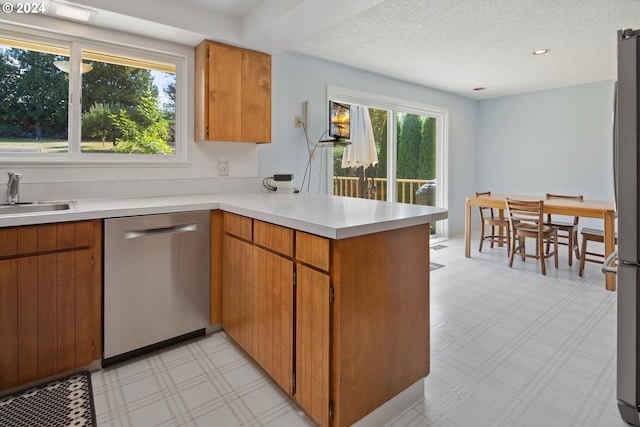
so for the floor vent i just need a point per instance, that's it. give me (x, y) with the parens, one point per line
(435, 266)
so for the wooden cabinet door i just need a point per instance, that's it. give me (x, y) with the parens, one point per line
(312, 342)
(46, 316)
(88, 292)
(28, 352)
(237, 291)
(50, 303)
(215, 286)
(257, 297)
(273, 311)
(88, 298)
(224, 95)
(8, 323)
(256, 96)
(65, 291)
(233, 94)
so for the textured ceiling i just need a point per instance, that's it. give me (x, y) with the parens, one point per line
(450, 45)
(457, 46)
(233, 8)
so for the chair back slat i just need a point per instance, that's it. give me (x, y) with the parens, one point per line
(496, 223)
(485, 211)
(526, 219)
(579, 198)
(525, 213)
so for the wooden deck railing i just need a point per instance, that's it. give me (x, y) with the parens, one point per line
(406, 191)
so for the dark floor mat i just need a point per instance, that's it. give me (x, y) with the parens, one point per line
(65, 402)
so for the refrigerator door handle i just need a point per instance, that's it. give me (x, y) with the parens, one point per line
(606, 265)
(615, 146)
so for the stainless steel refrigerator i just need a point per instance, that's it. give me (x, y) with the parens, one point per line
(627, 168)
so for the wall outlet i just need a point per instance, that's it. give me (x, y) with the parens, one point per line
(298, 121)
(223, 167)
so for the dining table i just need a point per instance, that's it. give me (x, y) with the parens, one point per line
(602, 209)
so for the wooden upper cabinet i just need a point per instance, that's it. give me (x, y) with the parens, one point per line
(256, 96)
(233, 94)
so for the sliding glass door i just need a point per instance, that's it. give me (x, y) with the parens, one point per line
(416, 159)
(364, 182)
(410, 142)
(416, 164)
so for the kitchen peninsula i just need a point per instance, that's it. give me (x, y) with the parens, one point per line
(350, 332)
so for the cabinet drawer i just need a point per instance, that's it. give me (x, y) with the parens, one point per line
(312, 250)
(34, 239)
(8, 241)
(270, 236)
(238, 225)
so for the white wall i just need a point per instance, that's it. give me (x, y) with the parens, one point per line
(552, 141)
(298, 78)
(556, 141)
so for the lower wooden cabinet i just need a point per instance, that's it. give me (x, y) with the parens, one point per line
(258, 306)
(341, 325)
(50, 300)
(263, 305)
(273, 315)
(237, 290)
(312, 342)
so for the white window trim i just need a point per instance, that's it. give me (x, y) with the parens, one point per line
(75, 156)
(393, 105)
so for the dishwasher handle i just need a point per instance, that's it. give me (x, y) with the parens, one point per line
(161, 230)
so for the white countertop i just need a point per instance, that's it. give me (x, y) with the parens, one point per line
(334, 217)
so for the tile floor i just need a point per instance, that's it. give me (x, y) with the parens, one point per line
(509, 347)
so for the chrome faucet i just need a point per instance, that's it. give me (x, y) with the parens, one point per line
(13, 188)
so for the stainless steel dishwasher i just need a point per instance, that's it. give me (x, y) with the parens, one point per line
(156, 281)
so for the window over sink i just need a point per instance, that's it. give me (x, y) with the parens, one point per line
(63, 99)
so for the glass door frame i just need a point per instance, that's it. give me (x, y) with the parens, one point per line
(393, 106)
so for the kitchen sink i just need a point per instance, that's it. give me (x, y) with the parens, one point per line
(35, 207)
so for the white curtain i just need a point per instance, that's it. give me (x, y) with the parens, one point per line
(362, 151)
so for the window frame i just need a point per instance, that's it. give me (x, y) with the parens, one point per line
(74, 155)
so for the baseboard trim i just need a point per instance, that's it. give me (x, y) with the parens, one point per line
(394, 407)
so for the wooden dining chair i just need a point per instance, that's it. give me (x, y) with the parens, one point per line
(567, 231)
(591, 235)
(527, 221)
(499, 226)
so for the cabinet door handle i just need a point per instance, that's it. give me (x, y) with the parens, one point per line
(157, 231)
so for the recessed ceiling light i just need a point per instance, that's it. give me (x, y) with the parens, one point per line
(479, 88)
(72, 12)
(540, 51)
